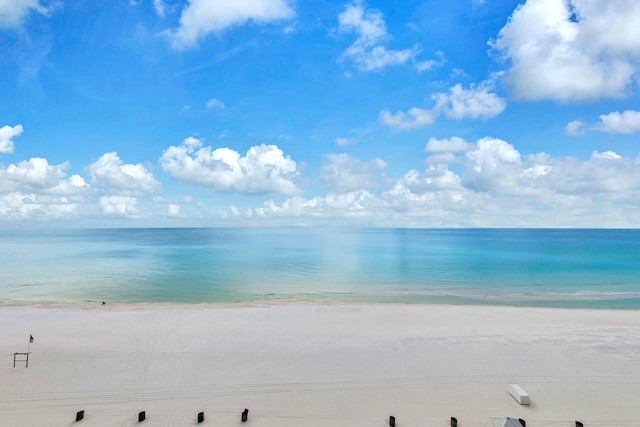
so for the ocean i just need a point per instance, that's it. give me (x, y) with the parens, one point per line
(517, 267)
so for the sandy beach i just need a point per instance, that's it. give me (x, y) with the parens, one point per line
(304, 364)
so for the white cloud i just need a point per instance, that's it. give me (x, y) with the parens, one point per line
(173, 210)
(606, 155)
(120, 178)
(34, 189)
(493, 166)
(367, 51)
(476, 102)
(14, 12)
(7, 133)
(570, 50)
(263, 170)
(343, 142)
(453, 144)
(159, 7)
(379, 57)
(616, 122)
(202, 17)
(438, 178)
(497, 168)
(19, 206)
(74, 185)
(606, 178)
(431, 63)
(355, 205)
(38, 176)
(575, 127)
(414, 118)
(626, 122)
(447, 150)
(497, 186)
(119, 206)
(215, 103)
(443, 158)
(343, 173)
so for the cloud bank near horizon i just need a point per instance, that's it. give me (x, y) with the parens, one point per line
(485, 183)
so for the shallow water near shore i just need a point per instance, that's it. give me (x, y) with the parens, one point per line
(529, 267)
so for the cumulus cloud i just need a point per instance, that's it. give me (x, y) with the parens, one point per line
(493, 165)
(263, 170)
(571, 50)
(496, 167)
(343, 142)
(215, 103)
(616, 122)
(353, 205)
(496, 186)
(120, 178)
(428, 199)
(443, 158)
(368, 52)
(448, 150)
(74, 185)
(430, 64)
(34, 189)
(202, 17)
(343, 173)
(606, 155)
(477, 102)
(173, 210)
(14, 12)
(160, 7)
(453, 144)
(234, 212)
(575, 127)
(414, 118)
(435, 178)
(38, 176)
(605, 177)
(119, 206)
(7, 133)
(19, 206)
(626, 122)
(35, 173)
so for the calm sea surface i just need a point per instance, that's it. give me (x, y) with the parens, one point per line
(568, 268)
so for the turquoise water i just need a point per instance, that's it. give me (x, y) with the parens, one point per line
(557, 267)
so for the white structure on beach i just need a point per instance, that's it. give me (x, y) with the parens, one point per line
(519, 394)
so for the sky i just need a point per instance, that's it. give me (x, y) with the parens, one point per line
(269, 113)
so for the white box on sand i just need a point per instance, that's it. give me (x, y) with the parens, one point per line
(519, 394)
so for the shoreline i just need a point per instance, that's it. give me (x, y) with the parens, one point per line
(306, 363)
(123, 306)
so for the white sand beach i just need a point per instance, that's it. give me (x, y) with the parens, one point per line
(304, 364)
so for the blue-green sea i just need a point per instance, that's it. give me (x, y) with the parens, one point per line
(532, 267)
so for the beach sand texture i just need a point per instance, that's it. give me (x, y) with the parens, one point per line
(304, 364)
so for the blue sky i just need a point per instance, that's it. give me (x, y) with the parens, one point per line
(436, 113)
